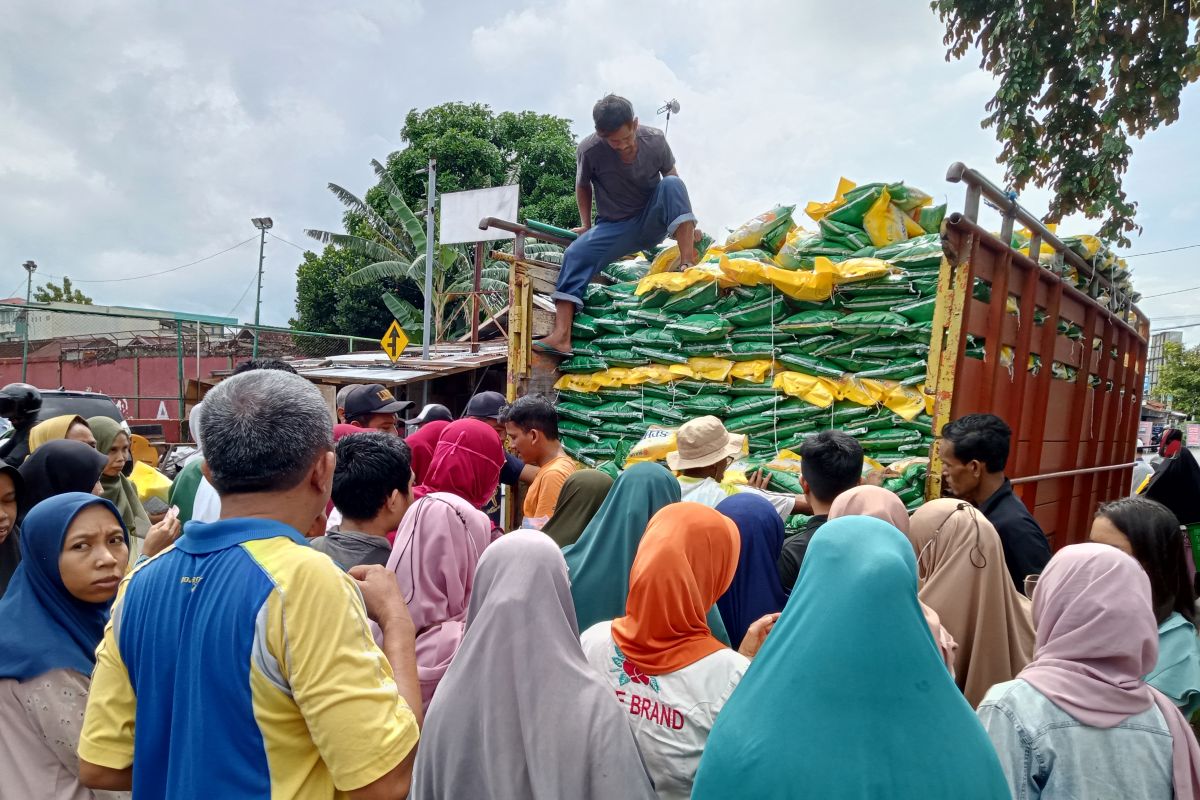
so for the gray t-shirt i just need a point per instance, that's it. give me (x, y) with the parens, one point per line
(622, 190)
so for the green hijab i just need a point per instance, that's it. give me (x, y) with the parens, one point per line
(599, 562)
(119, 490)
(581, 497)
(852, 671)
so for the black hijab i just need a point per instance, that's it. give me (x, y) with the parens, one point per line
(10, 549)
(59, 466)
(1176, 485)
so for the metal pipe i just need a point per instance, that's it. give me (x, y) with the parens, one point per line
(521, 230)
(262, 243)
(961, 173)
(478, 287)
(197, 352)
(30, 268)
(1069, 473)
(430, 199)
(179, 363)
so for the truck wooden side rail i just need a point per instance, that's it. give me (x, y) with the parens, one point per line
(1074, 441)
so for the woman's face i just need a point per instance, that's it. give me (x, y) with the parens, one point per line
(1104, 532)
(118, 455)
(8, 505)
(94, 555)
(80, 432)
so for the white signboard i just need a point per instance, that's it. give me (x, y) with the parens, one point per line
(461, 212)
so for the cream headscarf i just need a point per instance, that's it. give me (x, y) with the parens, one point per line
(960, 566)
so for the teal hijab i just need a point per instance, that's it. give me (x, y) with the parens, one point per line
(851, 676)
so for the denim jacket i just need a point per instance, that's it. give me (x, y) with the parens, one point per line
(1047, 753)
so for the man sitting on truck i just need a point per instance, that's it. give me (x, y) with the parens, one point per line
(640, 199)
(974, 450)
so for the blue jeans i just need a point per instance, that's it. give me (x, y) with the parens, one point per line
(605, 242)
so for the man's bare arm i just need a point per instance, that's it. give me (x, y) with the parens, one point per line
(583, 196)
(94, 776)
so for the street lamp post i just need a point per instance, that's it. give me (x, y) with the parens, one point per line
(30, 268)
(263, 224)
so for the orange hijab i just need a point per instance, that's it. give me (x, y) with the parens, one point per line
(685, 561)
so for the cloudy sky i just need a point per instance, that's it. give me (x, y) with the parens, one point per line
(136, 136)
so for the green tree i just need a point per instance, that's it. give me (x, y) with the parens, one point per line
(1076, 82)
(64, 293)
(1179, 378)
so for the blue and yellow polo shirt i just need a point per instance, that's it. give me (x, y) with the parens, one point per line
(239, 664)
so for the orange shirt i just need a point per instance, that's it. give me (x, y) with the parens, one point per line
(543, 493)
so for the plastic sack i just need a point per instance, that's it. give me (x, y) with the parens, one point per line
(677, 281)
(906, 401)
(755, 371)
(800, 284)
(758, 312)
(864, 391)
(884, 223)
(700, 328)
(709, 369)
(700, 295)
(852, 270)
(655, 445)
(883, 324)
(931, 218)
(811, 365)
(810, 388)
(752, 233)
(652, 373)
(859, 201)
(918, 310)
(811, 323)
(582, 364)
(585, 384)
(743, 271)
(817, 211)
(748, 351)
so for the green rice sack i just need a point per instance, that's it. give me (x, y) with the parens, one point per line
(883, 324)
(811, 323)
(700, 328)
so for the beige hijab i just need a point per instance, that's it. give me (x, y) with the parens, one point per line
(960, 566)
(877, 502)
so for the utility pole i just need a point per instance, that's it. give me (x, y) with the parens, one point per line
(30, 268)
(430, 199)
(263, 224)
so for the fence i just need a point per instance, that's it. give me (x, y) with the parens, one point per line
(144, 361)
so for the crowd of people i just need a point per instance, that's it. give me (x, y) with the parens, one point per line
(343, 614)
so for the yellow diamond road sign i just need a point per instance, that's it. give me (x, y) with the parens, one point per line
(394, 341)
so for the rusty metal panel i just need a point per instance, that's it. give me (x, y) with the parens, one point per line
(1072, 442)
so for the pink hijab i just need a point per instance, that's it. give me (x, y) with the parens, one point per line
(877, 502)
(1096, 637)
(437, 547)
(466, 461)
(422, 444)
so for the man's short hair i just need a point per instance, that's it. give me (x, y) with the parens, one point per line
(532, 413)
(263, 430)
(252, 364)
(980, 437)
(831, 463)
(611, 113)
(370, 466)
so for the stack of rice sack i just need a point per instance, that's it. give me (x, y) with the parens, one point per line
(779, 332)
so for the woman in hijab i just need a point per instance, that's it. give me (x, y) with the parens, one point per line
(68, 426)
(581, 497)
(863, 694)
(434, 557)
(62, 466)
(521, 647)
(1150, 533)
(598, 562)
(422, 443)
(75, 550)
(877, 502)
(113, 441)
(661, 658)
(756, 589)
(466, 462)
(962, 576)
(12, 506)
(1079, 721)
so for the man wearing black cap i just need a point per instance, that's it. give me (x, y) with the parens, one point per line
(430, 413)
(373, 406)
(486, 407)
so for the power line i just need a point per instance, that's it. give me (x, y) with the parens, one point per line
(245, 291)
(1159, 252)
(285, 241)
(160, 272)
(1174, 291)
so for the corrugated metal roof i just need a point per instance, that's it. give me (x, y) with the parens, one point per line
(376, 368)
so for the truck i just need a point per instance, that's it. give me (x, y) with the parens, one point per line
(1074, 409)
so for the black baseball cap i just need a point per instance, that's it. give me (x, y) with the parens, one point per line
(485, 405)
(373, 399)
(429, 413)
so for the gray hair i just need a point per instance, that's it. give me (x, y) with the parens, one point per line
(263, 430)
